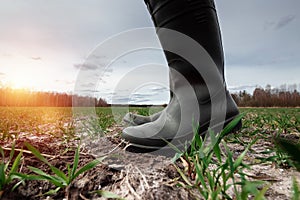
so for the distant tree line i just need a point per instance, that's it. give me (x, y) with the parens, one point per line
(267, 97)
(24, 98)
(261, 97)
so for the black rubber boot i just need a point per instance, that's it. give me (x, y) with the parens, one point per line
(133, 119)
(190, 36)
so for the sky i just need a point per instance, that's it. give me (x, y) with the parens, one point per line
(49, 45)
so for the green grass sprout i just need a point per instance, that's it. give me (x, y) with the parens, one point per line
(9, 169)
(60, 179)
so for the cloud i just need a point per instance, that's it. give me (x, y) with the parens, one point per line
(93, 66)
(158, 90)
(127, 100)
(284, 21)
(36, 58)
(120, 100)
(141, 97)
(141, 101)
(86, 66)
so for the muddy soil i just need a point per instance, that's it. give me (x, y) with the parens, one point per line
(129, 175)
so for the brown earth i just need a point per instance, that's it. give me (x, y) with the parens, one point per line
(127, 174)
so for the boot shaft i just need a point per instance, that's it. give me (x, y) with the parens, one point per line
(196, 19)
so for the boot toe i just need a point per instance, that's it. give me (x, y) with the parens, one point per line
(128, 119)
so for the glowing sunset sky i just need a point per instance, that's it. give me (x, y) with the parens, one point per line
(44, 43)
